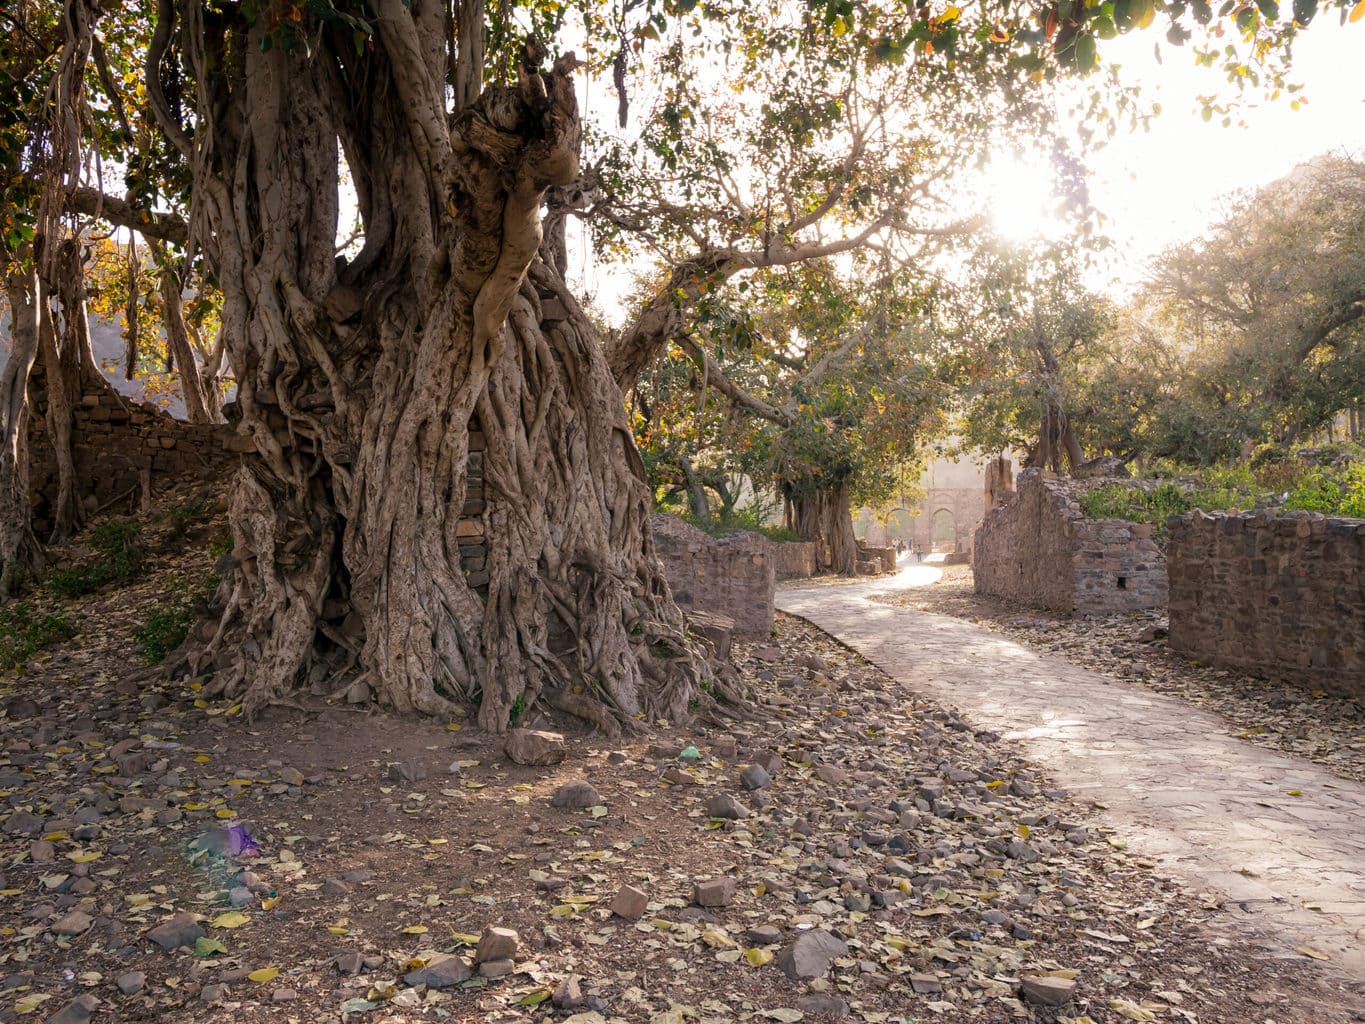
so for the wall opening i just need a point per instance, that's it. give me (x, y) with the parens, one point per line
(944, 535)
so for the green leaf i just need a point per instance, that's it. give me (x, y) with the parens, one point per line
(205, 946)
(1085, 53)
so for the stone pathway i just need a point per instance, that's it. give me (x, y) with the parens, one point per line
(1280, 837)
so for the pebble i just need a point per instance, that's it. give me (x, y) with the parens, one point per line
(74, 923)
(213, 993)
(496, 968)
(291, 777)
(283, 995)
(764, 935)
(130, 984)
(568, 995)
(442, 972)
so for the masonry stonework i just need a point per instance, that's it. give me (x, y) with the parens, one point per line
(1274, 595)
(792, 559)
(1041, 550)
(731, 576)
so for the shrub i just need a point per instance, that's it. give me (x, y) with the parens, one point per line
(22, 636)
(1115, 501)
(1331, 492)
(165, 630)
(182, 517)
(119, 560)
(739, 519)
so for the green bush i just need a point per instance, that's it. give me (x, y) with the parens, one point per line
(1331, 492)
(736, 520)
(1115, 501)
(119, 561)
(182, 517)
(22, 636)
(165, 630)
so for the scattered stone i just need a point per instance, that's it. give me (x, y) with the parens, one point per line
(496, 944)
(1047, 991)
(925, 984)
(496, 968)
(354, 963)
(568, 995)
(213, 993)
(718, 892)
(283, 995)
(74, 923)
(726, 806)
(77, 1011)
(443, 972)
(42, 852)
(291, 777)
(577, 795)
(754, 777)
(335, 887)
(810, 955)
(534, 747)
(824, 1004)
(407, 772)
(764, 935)
(629, 903)
(240, 896)
(22, 823)
(180, 930)
(130, 984)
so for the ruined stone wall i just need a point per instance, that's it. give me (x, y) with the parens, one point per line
(792, 560)
(125, 451)
(1275, 595)
(731, 576)
(1040, 550)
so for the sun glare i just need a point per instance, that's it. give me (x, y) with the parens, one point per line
(1021, 198)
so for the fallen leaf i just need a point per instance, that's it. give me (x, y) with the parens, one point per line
(232, 919)
(264, 974)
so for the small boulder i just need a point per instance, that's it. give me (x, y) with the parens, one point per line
(811, 954)
(568, 994)
(496, 968)
(74, 923)
(727, 807)
(130, 984)
(629, 903)
(77, 1011)
(534, 747)
(754, 777)
(180, 930)
(443, 972)
(496, 944)
(576, 795)
(717, 892)
(1047, 991)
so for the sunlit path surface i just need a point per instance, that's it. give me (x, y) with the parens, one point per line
(1281, 838)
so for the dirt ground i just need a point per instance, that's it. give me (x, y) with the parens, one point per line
(898, 864)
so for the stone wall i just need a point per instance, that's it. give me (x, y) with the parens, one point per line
(792, 560)
(1277, 595)
(125, 450)
(1040, 550)
(731, 576)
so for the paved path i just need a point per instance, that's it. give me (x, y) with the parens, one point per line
(1212, 810)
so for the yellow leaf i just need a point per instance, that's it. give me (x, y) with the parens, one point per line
(564, 910)
(465, 938)
(264, 974)
(31, 1002)
(454, 726)
(203, 759)
(951, 14)
(270, 902)
(1296, 792)
(52, 837)
(1022, 831)
(335, 929)
(232, 919)
(1316, 954)
(225, 812)
(1357, 12)
(138, 899)
(415, 929)
(239, 782)
(84, 858)
(758, 957)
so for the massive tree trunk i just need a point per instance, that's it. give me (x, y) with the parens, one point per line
(824, 516)
(446, 503)
(20, 553)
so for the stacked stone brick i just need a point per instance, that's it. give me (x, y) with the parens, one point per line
(123, 449)
(1275, 595)
(730, 576)
(1041, 550)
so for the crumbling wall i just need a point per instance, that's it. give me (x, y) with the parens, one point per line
(1040, 550)
(1275, 595)
(731, 576)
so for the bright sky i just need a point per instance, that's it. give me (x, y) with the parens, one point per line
(1165, 185)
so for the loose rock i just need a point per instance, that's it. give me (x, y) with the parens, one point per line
(534, 747)
(496, 944)
(180, 930)
(577, 795)
(811, 954)
(718, 892)
(726, 806)
(1047, 991)
(629, 903)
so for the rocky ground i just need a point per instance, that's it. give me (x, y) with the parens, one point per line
(849, 851)
(1323, 728)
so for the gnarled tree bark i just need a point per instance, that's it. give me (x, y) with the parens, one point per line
(363, 564)
(20, 553)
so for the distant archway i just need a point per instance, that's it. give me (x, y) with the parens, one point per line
(944, 536)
